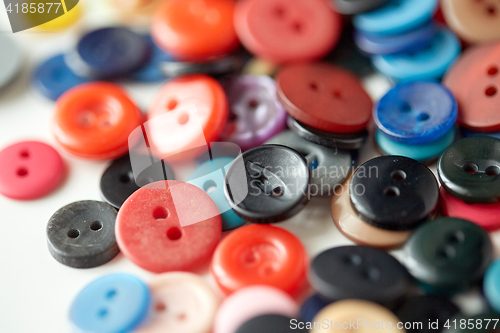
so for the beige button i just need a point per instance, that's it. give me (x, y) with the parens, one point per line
(475, 21)
(181, 303)
(355, 316)
(357, 230)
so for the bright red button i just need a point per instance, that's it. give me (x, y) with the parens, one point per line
(195, 30)
(260, 254)
(30, 170)
(149, 232)
(94, 120)
(286, 30)
(325, 97)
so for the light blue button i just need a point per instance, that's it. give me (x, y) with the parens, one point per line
(491, 285)
(114, 303)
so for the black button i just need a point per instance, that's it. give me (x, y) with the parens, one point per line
(267, 184)
(448, 255)
(270, 323)
(350, 7)
(359, 272)
(470, 169)
(82, 234)
(418, 311)
(394, 192)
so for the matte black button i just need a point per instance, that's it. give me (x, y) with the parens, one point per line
(417, 311)
(267, 184)
(394, 192)
(448, 255)
(470, 169)
(82, 234)
(270, 323)
(350, 7)
(359, 272)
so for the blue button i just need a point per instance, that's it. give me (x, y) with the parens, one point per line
(209, 176)
(420, 153)
(491, 285)
(113, 303)
(397, 17)
(53, 78)
(413, 41)
(416, 113)
(428, 64)
(467, 133)
(152, 71)
(311, 307)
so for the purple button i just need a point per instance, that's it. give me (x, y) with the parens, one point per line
(256, 115)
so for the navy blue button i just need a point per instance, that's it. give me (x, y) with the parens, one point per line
(416, 112)
(53, 78)
(152, 71)
(113, 303)
(109, 52)
(467, 133)
(311, 307)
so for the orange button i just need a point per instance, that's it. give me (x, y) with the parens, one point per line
(260, 254)
(195, 30)
(93, 120)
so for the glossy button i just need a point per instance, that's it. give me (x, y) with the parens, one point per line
(260, 255)
(113, 303)
(94, 120)
(251, 302)
(182, 303)
(268, 184)
(416, 112)
(152, 70)
(491, 285)
(287, 31)
(11, 59)
(349, 7)
(195, 29)
(270, 323)
(30, 170)
(399, 196)
(324, 97)
(448, 255)
(256, 115)
(470, 168)
(149, 230)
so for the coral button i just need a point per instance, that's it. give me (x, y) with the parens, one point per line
(260, 254)
(94, 120)
(29, 170)
(287, 31)
(195, 30)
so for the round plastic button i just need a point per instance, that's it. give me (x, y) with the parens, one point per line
(287, 31)
(256, 115)
(152, 70)
(168, 226)
(311, 307)
(400, 195)
(416, 112)
(367, 273)
(467, 133)
(349, 7)
(195, 30)
(491, 285)
(270, 323)
(182, 303)
(428, 64)
(397, 17)
(448, 255)
(11, 59)
(82, 234)
(473, 21)
(251, 302)
(260, 254)
(30, 170)
(324, 97)
(108, 52)
(267, 184)
(72, 15)
(113, 303)
(227, 65)
(470, 169)
(94, 120)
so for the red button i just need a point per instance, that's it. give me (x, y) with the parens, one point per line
(287, 31)
(94, 120)
(149, 228)
(260, 254)
(475, 82)
(325, 97)
(195, 30)
(484, 215)
(29, 170)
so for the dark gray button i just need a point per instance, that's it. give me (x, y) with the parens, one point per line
(350, 7)
(270, 323)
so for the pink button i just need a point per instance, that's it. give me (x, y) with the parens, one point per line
(251, 302)
(30, 170)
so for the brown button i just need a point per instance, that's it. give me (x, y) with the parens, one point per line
(475, 21)
(356, 316)
(357, 230)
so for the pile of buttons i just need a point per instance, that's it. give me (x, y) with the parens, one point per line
(263, 147)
